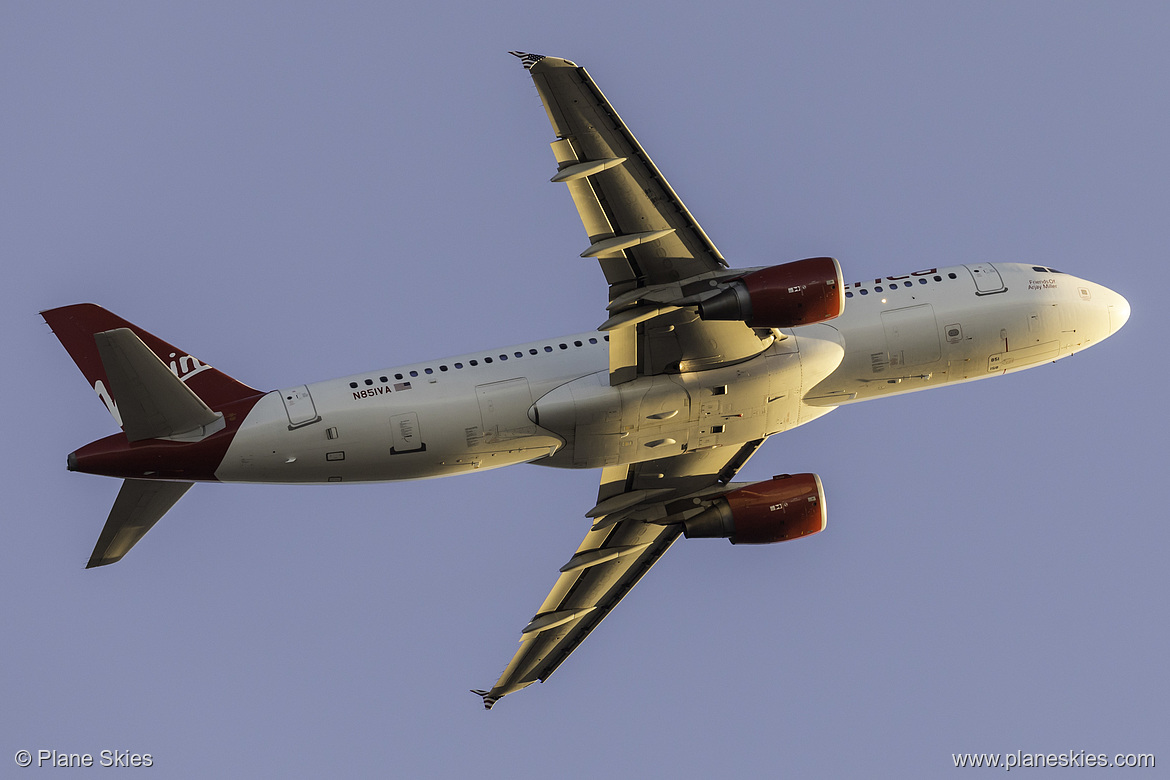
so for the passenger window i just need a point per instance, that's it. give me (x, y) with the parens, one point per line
(414, 373)
(532, 352)
(864, 291)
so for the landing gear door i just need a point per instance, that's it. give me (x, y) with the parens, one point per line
(299, 406)
(987, 279)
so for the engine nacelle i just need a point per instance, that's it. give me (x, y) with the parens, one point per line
(786, 507)
(783, 296)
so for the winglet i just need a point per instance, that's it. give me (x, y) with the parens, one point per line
(488, 699)
(527, 60)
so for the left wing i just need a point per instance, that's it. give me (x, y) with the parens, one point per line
(638, 516)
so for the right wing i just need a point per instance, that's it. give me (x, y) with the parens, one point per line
(638, 227)
(637, 518)
(656, 258)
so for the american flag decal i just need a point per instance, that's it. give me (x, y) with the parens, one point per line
(488, 699)
(526, 59)
(402, 386)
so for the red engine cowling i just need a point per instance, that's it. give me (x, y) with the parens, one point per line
(783, 296)
(786, 507)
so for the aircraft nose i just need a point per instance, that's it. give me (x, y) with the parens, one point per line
(1118, 313)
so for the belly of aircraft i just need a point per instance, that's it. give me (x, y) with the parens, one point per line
(664, 415)
(383, 440)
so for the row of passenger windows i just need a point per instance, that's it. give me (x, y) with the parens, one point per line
(471, 363)
(894, 285)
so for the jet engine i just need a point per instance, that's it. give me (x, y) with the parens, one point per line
(782, 296)
(786, 507)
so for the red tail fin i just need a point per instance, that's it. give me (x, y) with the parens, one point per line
(76, 325)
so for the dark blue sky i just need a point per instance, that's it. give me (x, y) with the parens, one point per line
(295, 193)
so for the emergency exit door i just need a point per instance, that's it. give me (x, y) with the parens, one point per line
(987, 279)
(299, 406)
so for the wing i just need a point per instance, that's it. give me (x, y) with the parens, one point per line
(638, 227)
(656, 258)
(637, 518)
(659, 264)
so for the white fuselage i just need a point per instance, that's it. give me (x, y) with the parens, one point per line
(551, 402)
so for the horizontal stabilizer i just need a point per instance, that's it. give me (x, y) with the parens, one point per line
(139, 505)
(152, 402)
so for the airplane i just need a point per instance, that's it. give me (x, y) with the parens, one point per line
(695, 366)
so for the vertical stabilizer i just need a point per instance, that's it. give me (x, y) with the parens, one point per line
(76, 326)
